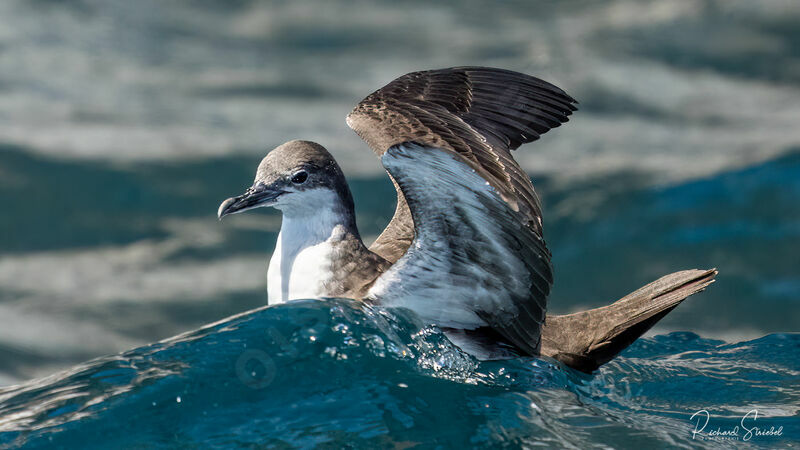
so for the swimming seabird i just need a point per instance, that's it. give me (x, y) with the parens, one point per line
(465, 247)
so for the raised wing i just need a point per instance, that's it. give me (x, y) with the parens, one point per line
(472, 263)
(478, 112)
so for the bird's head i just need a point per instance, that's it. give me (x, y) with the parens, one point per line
(298, 178)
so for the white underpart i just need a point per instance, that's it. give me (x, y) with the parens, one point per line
(301, 262)
(436, 278)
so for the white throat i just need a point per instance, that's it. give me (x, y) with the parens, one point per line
(302, 261)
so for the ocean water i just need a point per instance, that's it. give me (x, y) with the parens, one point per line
(123, 125)
(334, 374)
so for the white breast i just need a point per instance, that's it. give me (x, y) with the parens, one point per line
(297, 273)
(302, 261)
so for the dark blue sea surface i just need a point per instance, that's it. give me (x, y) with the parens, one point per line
(335, 373)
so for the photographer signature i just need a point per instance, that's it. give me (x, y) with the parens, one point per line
(747, 426)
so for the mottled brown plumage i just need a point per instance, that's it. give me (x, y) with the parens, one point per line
(356, 269)
(481, 113)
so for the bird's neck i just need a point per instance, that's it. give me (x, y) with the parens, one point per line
(326, 221)
(314, 245)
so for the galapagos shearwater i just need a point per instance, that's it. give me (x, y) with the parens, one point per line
(465, 247)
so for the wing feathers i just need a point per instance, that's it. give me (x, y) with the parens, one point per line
(472, 263)
(480, 113)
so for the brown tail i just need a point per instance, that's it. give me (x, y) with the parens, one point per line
(588, 339)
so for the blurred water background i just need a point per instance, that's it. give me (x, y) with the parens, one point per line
(124, 124)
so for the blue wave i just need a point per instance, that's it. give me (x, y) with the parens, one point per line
(336, 372)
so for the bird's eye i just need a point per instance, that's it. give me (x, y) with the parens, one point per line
(300, 177)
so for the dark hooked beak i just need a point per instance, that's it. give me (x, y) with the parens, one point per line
(254, 197)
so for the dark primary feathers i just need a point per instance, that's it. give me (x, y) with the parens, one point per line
(480, 113)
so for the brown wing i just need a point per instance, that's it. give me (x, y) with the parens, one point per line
(481, 113)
